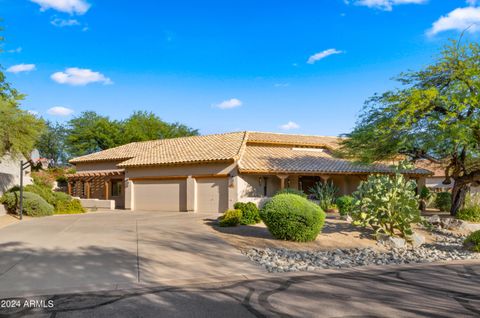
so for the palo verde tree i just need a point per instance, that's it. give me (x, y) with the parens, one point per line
(435, 115)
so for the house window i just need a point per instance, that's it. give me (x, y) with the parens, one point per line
(116, 188)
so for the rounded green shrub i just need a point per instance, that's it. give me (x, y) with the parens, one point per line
(293, 218)
(345, 204)
(43, 191)
(472, 242)
(250, 212)
(33, 204)
(292, 191)
(443, 201)
(230, 218)
(70, 206)
(471, 214)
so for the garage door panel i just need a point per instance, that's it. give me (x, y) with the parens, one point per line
(212, 194)
(160, 195)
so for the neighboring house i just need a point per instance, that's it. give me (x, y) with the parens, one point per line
(10, 174)
(435, 181)
(210, 173)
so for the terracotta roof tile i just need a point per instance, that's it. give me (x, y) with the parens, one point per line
(286, 159)
(289, 139)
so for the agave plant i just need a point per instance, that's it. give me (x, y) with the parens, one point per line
(325, 193)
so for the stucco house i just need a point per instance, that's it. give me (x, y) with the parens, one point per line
(10, 174)
(210, 173)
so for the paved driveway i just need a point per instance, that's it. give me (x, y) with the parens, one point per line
(109, 250)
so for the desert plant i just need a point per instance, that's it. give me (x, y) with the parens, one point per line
(230, 218)
(443, 201)
(471, 214)
(472, 242)
(292, 191)
(388, 204)
(71, 206)
(472, 199)
(291, 217)
(43, 191)
(325, 193)
(250, 212)
(33, 204)
(345, 204)
(425, 196)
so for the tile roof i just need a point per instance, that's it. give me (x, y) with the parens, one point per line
(285, 159)
(255, 152)
(209, 148)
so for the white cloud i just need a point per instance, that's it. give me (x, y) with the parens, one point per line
(59, 111)
(229, 103)
(17, 50)
(64, 22)
(386, 5)
(69, 6)
(459, 19)
(472, 2)
(79, 77)
(21, 68)
(321, 55)
(290, 125)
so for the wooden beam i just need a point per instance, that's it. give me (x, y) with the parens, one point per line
(87, 185)
(105, 187)
(69, 187)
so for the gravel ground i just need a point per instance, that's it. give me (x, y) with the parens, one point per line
(447, 247)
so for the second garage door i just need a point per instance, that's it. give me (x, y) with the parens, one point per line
(212, 194)
(160, 195)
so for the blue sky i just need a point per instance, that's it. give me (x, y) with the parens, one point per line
(289, 66)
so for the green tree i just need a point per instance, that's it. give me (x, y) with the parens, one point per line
(435, 115)
(91, 132)
(19, 130)
(51, 143)
(142, 126)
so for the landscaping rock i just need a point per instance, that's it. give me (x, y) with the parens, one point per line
(447, 247)
(392, 242)
(434, 219)
(417, 240)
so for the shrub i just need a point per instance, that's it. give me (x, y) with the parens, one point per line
(250, 213)
(325, 193)
(292, 191)
(472, 199)
(291, 217)
(426, 196)
(33, 204)
(43, 191)
(472, 242)
(345, 204)
(43, 178)
(469, 214)
(231, 218)
(443, 201)
(388, 204)
(71, 206)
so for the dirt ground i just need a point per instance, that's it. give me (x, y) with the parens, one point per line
(8, 219)
(335, 234)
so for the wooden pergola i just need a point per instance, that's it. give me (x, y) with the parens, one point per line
(88, 178)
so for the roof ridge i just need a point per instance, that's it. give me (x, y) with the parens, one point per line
(287, 134)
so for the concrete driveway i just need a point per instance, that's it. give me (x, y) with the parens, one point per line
(111, 250)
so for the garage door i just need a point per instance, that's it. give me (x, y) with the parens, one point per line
(212, 195)
(160, 195)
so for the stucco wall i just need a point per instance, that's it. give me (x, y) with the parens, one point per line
(181, 170)
(101, 165)
(10, 173)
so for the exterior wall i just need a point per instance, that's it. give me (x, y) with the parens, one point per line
(101, 165)
(10, 173)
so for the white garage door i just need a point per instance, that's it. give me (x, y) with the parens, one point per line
(212, 194)
(160, 195)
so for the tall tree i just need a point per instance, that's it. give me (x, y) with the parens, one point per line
(434, 116)
(91, 132)
(19, 130)
(51, 143)
(142, 126)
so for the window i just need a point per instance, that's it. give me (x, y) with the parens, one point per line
(116, 188)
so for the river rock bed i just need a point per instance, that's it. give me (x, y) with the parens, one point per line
(447, 247)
